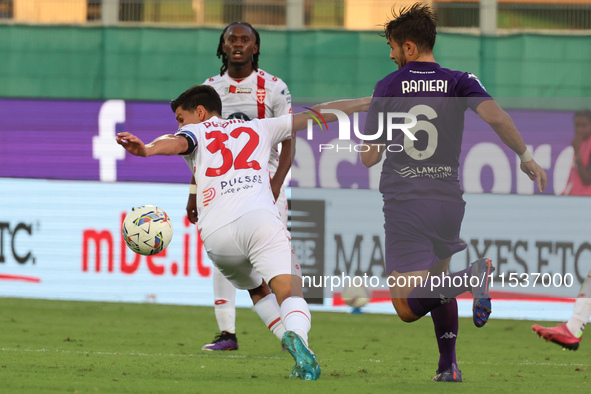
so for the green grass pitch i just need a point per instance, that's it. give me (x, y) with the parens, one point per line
(85, 347)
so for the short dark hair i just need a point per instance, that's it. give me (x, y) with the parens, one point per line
(221, 54)
(417, 23)
(198, 95)
(584, 113)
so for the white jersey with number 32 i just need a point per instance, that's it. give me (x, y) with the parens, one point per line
(230, 162)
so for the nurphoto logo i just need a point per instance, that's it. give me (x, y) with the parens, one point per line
(344, 129)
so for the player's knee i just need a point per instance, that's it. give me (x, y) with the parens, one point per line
(407, 317)
(403, 311)
(259, 293)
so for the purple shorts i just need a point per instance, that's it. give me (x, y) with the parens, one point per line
(419, 233)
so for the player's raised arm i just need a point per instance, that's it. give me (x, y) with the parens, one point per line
(166, 145)
(300, 120)
(503, 125)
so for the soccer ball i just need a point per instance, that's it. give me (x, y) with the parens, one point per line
(147, 230)
(355, 296)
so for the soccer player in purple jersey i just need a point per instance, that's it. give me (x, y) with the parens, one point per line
(423, 205)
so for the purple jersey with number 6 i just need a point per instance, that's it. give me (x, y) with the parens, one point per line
(425, 168)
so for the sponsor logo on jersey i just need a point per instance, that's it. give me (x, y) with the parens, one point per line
(208, 195)
(239, 115)
(285, 92)
(261, 94)
(245, 181)
(470, 75)
(425, 172)
(236, 89)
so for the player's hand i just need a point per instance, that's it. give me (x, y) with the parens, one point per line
(276, 188)
(192, 208)
(132, 144)
(535, 173)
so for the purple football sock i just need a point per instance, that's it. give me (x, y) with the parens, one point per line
(445, 320)
(437, 290)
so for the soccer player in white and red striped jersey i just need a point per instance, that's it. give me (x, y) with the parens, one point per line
(247, 92)
(238, 218)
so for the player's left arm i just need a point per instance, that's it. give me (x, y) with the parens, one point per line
(503, 125)
(164, 145)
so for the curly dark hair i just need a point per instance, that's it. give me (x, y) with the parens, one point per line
(416, 23)
(221, 54)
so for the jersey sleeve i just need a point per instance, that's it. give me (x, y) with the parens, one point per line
(281, 104)
(473, 90)
(279, 128)
(189, 133)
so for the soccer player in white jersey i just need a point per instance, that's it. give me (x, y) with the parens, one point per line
(238, 218)
(247, 92)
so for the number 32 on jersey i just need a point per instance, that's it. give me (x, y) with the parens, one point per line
(240, 162)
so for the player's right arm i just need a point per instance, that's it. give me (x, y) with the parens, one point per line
(166, 145)
(300, 120)
(503, 125)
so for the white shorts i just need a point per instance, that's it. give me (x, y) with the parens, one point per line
(252, 248)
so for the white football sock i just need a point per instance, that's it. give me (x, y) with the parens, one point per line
(296, 317)
(224, 295)
(270, 313)
(582, 309)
